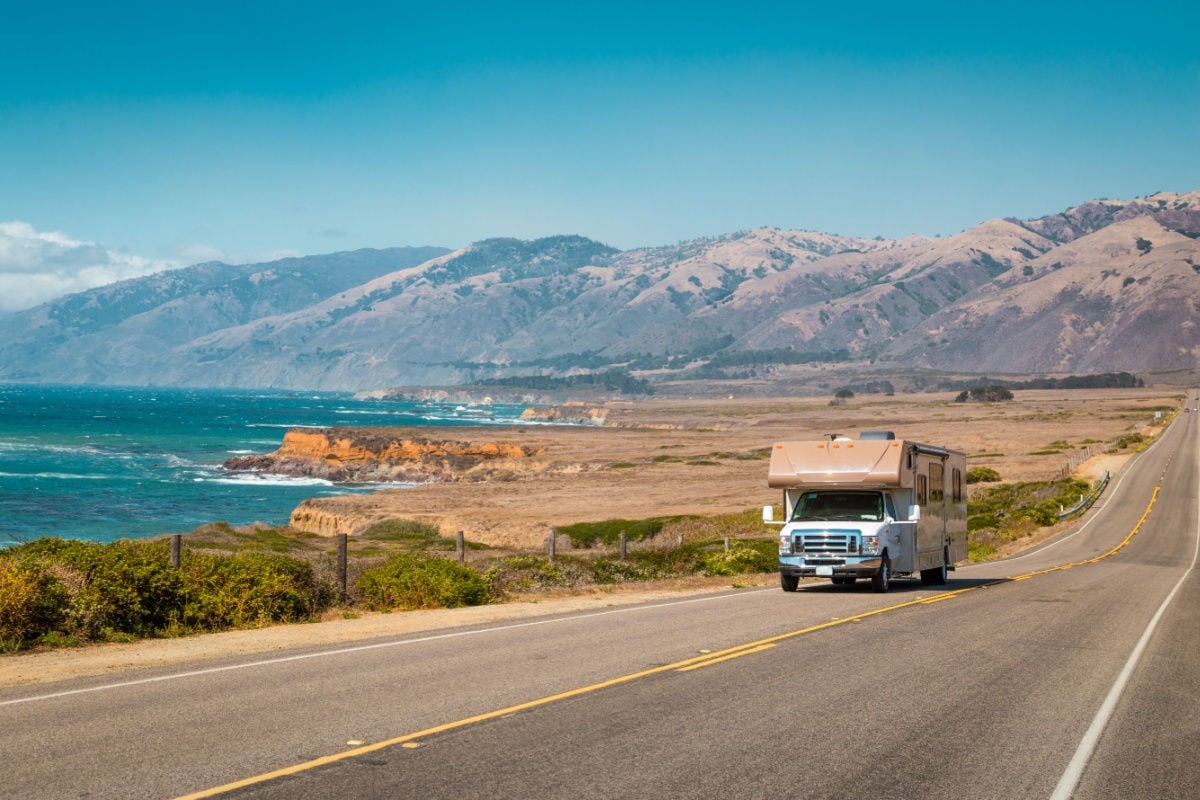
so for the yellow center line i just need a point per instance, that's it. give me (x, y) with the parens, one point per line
(685, 665)
(718, 660)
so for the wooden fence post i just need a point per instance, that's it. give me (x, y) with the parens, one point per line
(342, 570)
(553, 536)
(624, 545)
(176, 549)
(461, 548)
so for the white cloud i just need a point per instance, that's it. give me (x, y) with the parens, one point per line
(36, 266)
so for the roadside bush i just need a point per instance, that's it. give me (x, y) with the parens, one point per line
(30, 601)
(1133, 441)
(979, 551)
(715, 527)
(248, 590)
(741, 559)
(610, 571)
(532, 573)
(978, 522)
(407, 581)
(404, 530)
(125, 587)
(589, 534)
(982, 475)
(65, 591)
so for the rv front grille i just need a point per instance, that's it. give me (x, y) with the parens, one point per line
(826, 542)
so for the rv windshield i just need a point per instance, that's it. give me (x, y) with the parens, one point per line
(839, 505)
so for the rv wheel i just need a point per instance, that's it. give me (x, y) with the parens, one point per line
(789, 583)
(881, 580)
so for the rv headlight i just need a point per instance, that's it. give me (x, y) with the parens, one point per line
(870, 545)
(785, 543)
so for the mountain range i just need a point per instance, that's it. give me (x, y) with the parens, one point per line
(1105, 286)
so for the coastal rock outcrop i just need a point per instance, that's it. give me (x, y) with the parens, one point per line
(577, 413)
(382, 455)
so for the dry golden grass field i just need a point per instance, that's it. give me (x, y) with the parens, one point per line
(672, 457)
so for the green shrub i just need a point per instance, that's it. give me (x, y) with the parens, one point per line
(530, 573)
(408, 581)
(982, 475)
(408, 530)
(1130, 441)
(249, 589)
(62, 591)
(589, 534)
(670, 562)
(609, 571)
(740, 559)
(30, 602)
(979, 551)
(121, 587)
(978, 522)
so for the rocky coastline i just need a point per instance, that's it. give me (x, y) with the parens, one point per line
(381, 455)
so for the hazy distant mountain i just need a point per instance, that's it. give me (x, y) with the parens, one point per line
(119, 334)
(1105, 286)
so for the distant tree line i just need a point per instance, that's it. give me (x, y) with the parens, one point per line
(779, 355)
(984, 394)
(610, 381)
(1106, 380)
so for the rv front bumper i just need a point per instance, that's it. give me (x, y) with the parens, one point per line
(830, 567)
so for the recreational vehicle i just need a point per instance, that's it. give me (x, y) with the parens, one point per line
(875, 507)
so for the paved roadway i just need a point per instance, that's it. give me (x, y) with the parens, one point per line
(1070, 671)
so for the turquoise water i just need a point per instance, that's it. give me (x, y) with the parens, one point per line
(103, 463)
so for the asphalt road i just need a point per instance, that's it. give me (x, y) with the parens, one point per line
(1070, 671)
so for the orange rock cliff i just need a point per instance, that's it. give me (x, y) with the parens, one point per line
(383, 455)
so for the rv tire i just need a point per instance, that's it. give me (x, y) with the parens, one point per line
(882, 579)
(789, 583)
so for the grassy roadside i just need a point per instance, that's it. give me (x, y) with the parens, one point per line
(56, 593)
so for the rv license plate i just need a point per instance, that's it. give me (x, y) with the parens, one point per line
(824, 572)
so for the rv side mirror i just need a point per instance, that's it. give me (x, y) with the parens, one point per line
(768, 513)
(914, 513)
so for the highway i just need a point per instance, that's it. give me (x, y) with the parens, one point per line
(1070, 671)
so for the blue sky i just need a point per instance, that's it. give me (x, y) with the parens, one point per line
(137, 135)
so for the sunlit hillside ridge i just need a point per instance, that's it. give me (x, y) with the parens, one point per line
(1104, 286)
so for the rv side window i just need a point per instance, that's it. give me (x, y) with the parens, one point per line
(937, 489)
(922, 490)
(956, 484)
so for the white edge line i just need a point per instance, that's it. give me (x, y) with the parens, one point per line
(365, 647)
(1087, 746)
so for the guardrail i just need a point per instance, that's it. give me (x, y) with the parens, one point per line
(1086, 502)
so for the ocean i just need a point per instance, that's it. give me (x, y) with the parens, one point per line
(103, 463)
